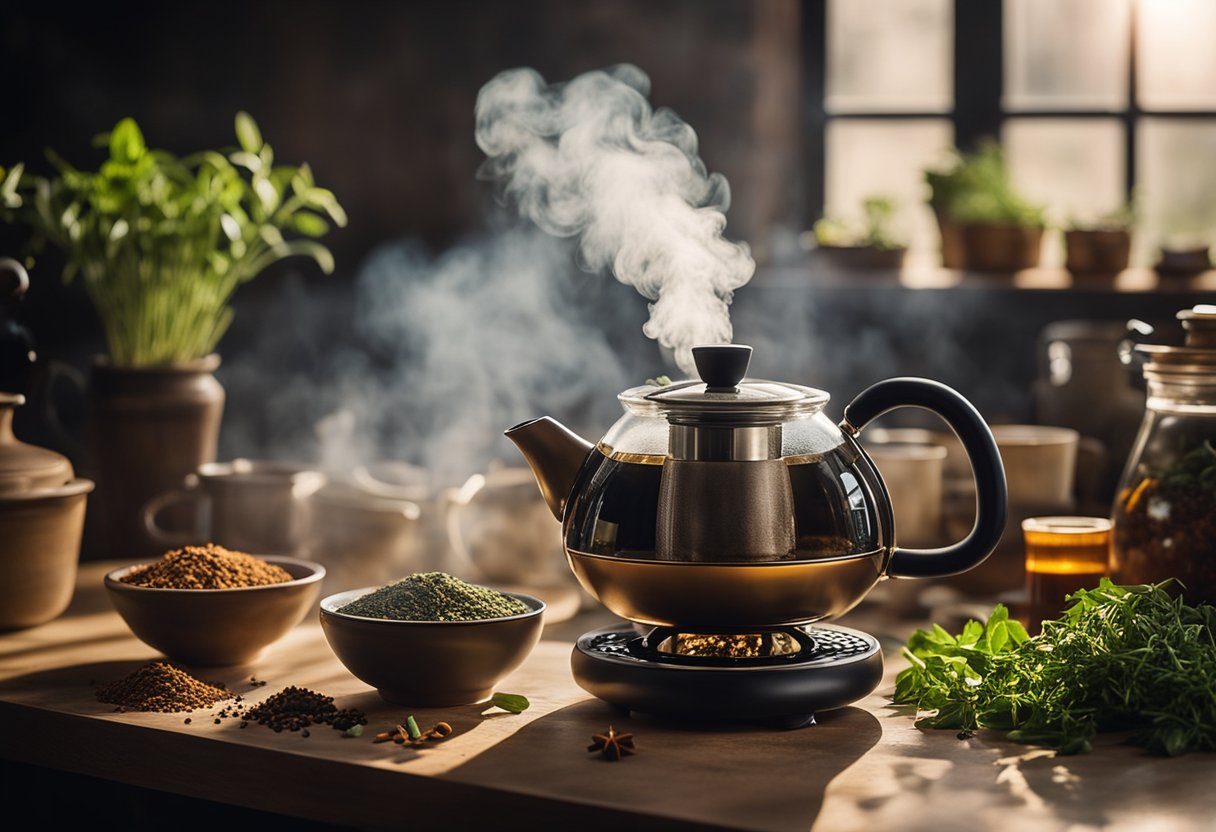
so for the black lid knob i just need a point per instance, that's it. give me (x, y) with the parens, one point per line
(722, 366)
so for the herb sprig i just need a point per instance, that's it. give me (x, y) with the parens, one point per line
(1121, 658)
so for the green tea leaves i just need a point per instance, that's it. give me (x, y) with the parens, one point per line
(1121, 658)
(511, 702)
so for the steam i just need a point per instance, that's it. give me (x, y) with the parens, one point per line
(590, 159)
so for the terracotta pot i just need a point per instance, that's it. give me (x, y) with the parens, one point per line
(149, 428)
(1183, 262)
(1000, 248)
(41, 519)
(953, 254)
(1097, 251)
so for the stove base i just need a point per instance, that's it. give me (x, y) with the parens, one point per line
(845, 666)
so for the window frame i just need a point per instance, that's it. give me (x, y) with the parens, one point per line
(978, 83)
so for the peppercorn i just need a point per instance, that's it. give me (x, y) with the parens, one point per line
(295, 708)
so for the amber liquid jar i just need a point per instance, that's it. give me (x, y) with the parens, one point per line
(1063, 555)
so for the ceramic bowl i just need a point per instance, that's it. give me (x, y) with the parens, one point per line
(430, 663)
(217, 626)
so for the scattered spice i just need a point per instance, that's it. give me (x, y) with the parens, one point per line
(353, 731)
(206, 567)
(162, 687)
(435, 596)
(612, 746)
(295, 708)
(412, 735)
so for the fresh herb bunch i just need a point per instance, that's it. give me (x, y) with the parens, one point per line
(875, 231)
(162, 242)
(1121, 658)
(977, 189)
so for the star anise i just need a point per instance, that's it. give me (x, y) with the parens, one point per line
(612, 745)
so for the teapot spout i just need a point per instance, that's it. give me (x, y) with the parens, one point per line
(555, 454)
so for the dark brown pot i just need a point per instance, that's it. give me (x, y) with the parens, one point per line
(863, 258)
(1097, 251)
(148, 428)
(1001, 248)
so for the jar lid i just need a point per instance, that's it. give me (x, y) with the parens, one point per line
(1197, 356)
(25, 467)
(724, 394)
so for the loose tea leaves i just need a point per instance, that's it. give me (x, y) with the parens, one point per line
(295, 708)
(206, 567)
(435, 596)
(163, 687)
(1121, 658)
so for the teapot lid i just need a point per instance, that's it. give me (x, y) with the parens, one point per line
(1197, 356)
(724, 394)
(26, 467)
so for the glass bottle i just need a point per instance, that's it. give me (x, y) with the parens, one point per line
(1165, 507)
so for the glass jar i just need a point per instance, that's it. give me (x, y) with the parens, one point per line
(1165, 507)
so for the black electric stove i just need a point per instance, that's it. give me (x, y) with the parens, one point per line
(779, 677)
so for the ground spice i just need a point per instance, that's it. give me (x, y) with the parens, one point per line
(160, 686)
(206, 567)
(295, 708)
(435, 596)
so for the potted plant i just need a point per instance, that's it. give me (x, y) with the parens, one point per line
(161, 243)
(869, 245)
(985, 224)
(1100, 246)
(1183, 255)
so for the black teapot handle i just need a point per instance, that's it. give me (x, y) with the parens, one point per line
(990, 492)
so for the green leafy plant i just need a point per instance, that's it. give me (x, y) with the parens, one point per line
(162, 242)
(874, 231)
(976, 188)
(1121, 658)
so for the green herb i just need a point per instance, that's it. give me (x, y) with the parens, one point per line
(977, 188)
(875, 231)
(411, 725)
(353, 731)
(658, 381)
(512, 702)
(1121, 658)
(162, 242)
(435, 596)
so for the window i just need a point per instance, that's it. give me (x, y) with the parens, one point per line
(1093, 100)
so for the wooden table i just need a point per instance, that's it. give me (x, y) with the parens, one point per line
(864, 767)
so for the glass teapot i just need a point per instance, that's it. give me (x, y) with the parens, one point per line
(731, 502)
(1165, 506)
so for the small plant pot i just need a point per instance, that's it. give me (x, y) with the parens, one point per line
(953, 254)
(1097, 251)
(863, 257)
(1182, 262)
(1001, 248)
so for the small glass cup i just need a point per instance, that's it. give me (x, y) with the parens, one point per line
(1063, 554)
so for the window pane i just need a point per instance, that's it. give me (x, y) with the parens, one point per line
(1175, 61)
(1066, 54)
(1072, 166)
(890, 55)
(1176, 188)
(867, 157)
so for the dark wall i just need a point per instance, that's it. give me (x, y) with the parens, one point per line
(378, 97)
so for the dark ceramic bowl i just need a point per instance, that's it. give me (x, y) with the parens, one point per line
(217, 626)
(430, 663)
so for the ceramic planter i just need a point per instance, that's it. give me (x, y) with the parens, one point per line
(148, 428)
(1097, 251)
